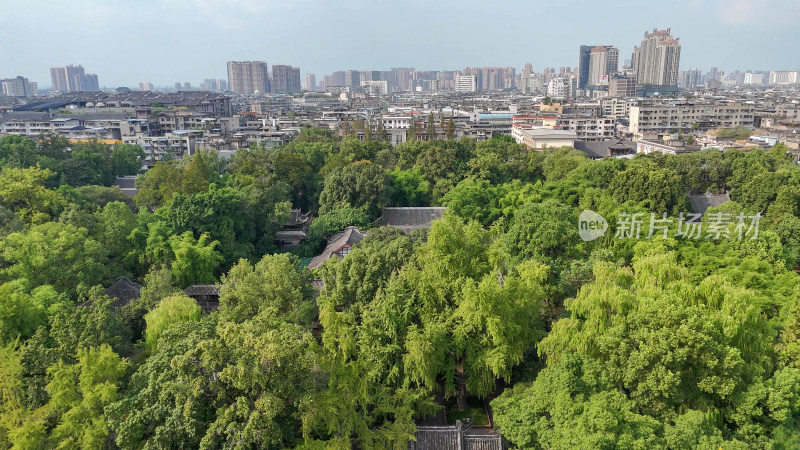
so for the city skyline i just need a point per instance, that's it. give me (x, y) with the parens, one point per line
(736, 35)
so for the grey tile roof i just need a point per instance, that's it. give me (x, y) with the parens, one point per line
(411, 218)
(347, 237)
(603, 149)
(123, 291)
(202, 289)
(700, 203)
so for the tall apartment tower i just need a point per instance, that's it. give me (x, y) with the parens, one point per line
(584, 54)
(285, 79)
(246, 77)
(18, 87)
(657, 59)
(73, 78)
(527, 70)
(311, 82)
(401, 78)
(603, 61)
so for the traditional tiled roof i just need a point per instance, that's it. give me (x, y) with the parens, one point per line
(347, 237)
(700, 203)
(202, 290)
(603, 149)
(123, 291)
(411, 218)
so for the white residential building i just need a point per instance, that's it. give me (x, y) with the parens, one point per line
(784, 77)
(663, 118)
(542, 137)
(753, 78)
(376, 87)
(558, 87)
(465, 83)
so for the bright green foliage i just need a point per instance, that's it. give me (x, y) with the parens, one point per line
(23, 311)
(74, 415)
(196, 260)
(23, 191)
(126, 159)
(80, 392)
(192, 175)
(333, 222)
(499, 160)
(659, 190)
(170, 310)
(361, 184)
(89, 324)
(545, 230)
(656, 343)
(267, 368)
(274, 287)
(657, 347)
(409, 188)
(167, 404)
(213, 212)
(55, 254)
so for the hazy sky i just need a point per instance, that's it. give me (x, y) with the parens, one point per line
(164, 41)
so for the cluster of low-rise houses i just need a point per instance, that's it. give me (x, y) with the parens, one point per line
(183, 122)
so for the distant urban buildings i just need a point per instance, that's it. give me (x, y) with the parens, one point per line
(753, 78)
(247, 77)
(690, 78)
(18, 87)
(145, 86)
(311, 82)
(493, 78)
(73, 78)
(784, 77)
(603, 61)
(657, 59)
(559, 87)
(214, 85)
(594, 62)
(466, 83)
(375, 87)
(285, 79)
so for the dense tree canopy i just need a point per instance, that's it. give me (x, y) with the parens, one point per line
(668, 340)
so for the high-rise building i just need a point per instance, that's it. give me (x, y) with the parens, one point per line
(493, 78)
(73, 78)
(145, 86)
(285, 79)
(465, 83)
(657, 59)
(753, 78)
(311, 82)
(690, 78)
(584, 54)
(527, 70)
(401, 78)
(247, 77)
(18, 87)
(603, 61)
(214, 84)
(784, 77)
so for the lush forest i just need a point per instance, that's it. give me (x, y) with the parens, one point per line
(676, 342)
